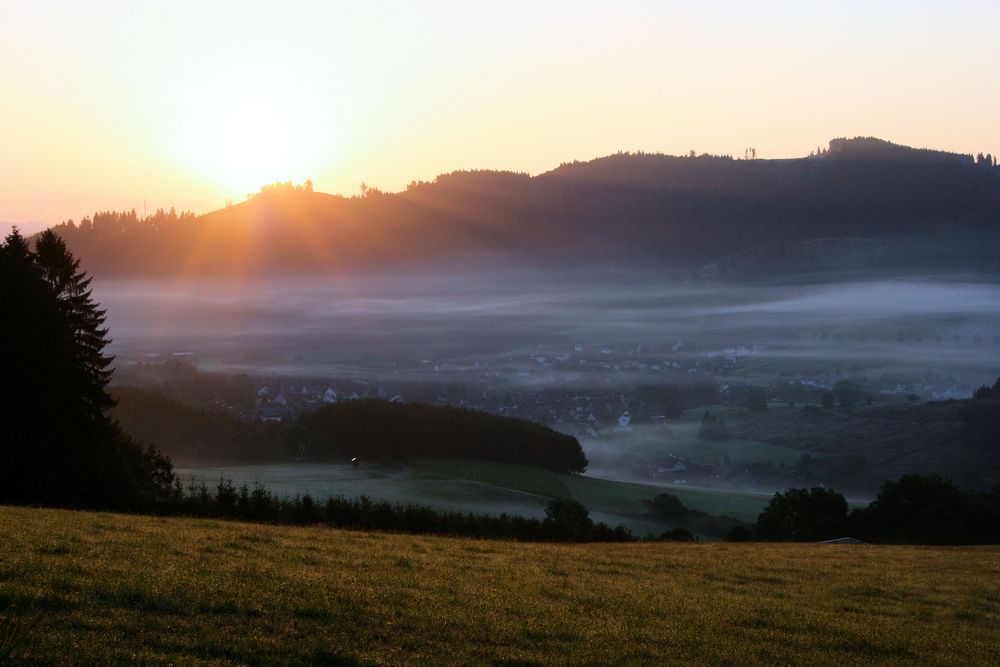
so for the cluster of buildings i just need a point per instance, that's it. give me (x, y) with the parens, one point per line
(584, 413)
(806, 388)
(674, 360)
(283, 402)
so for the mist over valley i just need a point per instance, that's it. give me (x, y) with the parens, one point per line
(590, 354)
(522, 334)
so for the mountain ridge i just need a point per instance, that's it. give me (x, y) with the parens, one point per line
(926, 206)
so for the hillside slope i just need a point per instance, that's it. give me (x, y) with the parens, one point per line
(900, 206)
(895, 439)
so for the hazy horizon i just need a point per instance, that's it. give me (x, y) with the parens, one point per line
(404, 326)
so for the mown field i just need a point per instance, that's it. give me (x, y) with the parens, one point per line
(118, 589)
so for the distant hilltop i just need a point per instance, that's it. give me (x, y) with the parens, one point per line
(898, 206)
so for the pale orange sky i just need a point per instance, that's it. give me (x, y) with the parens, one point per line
(180, 103)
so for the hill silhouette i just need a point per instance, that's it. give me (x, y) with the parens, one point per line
(861, 202)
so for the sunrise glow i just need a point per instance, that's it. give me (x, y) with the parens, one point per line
(189, 105)
(405, 332)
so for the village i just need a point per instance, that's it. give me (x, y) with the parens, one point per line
(589, 390)
(595, 390)
(635, 408)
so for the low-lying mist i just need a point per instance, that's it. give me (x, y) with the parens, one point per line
(433, 324)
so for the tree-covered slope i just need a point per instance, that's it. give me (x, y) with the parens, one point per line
(368, 429)
(921, 206)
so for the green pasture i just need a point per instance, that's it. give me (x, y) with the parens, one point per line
(482, 487)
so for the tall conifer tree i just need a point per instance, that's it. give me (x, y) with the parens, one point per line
(57, 445)
(71, 287)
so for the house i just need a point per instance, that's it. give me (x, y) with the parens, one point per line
(271, 412)
(329, 396)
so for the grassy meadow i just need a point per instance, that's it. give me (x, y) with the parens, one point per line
(102, 588)
(483, 487)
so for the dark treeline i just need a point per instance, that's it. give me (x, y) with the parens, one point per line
(981, 417)
(379, 429)
(914, 206)
(565, 520)
(204, 435)
(183, 382)
(688, 522)
(915, 509)
(367, 429)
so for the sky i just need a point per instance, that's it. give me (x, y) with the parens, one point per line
(107, 105)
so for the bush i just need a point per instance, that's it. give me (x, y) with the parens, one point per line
(567, 519)
(804, 515)
(667, 506)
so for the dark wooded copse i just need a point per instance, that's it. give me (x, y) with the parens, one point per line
(378, 429)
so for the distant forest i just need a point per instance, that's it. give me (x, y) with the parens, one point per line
(861, 202)
(367, 429)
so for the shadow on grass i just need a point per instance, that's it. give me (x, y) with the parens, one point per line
(20, 624)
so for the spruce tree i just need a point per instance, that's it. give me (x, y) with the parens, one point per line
(58, 445)
(71, 287)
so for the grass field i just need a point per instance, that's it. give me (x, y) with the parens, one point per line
(402, 485)
(117, 589)
(623, 497)
(485, 487)
(608, 500)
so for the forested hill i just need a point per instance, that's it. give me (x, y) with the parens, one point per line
(863, 199)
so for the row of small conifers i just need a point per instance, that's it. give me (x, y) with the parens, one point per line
(565, 519)
(913, 510)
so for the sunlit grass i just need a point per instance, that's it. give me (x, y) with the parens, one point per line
(125, 589)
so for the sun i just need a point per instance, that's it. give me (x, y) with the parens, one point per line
(245, 122)
(253, 146)
(243, 144)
